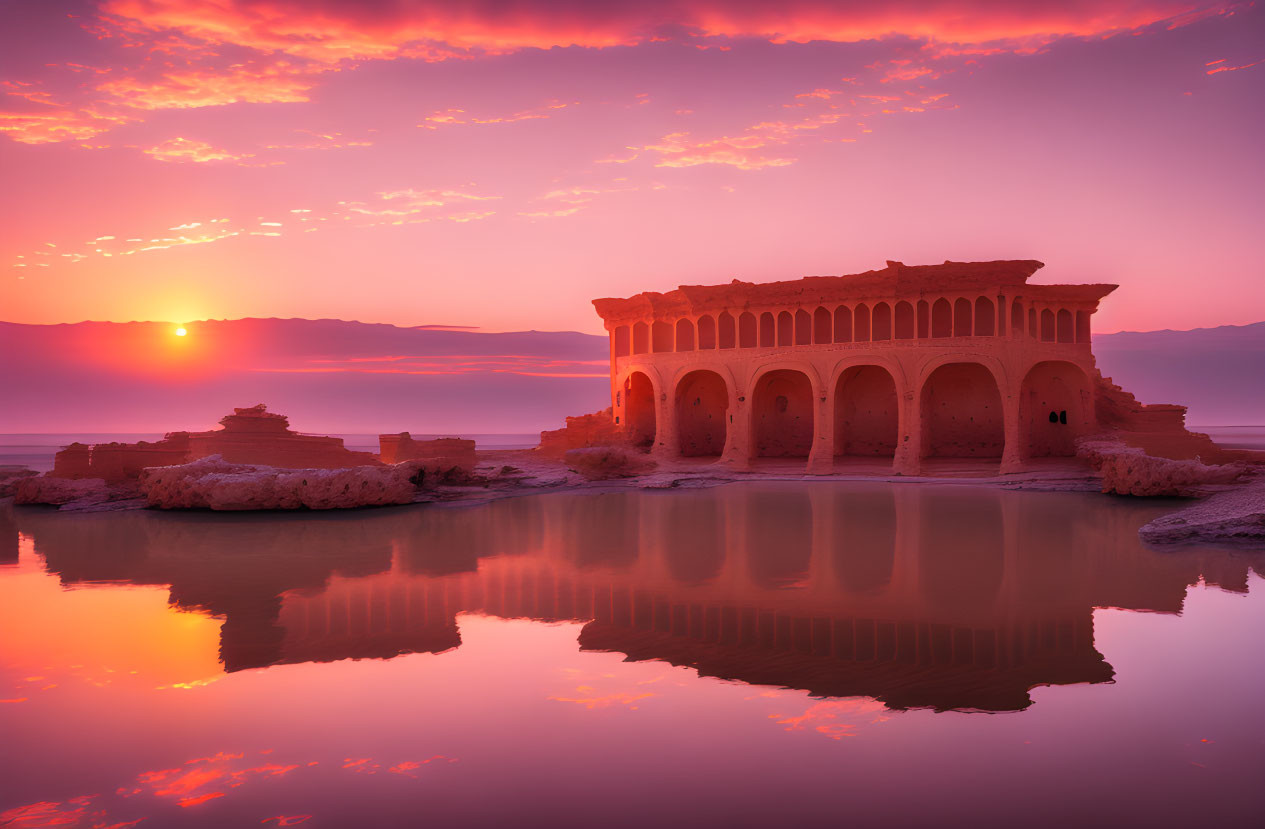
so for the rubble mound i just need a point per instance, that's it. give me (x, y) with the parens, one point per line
(601, 462)
(216, 484)
(582, 432)
(1233, 517)
(1128, 470)
(78, 492)
(10, 476)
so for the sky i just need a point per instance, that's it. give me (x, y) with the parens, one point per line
(500, 163)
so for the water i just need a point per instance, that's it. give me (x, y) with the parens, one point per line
(751, 655)
(1235, 437)
(36, 451)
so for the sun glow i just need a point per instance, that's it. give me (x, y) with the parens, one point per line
(180, 332)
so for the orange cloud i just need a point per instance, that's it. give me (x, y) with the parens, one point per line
(278, 83)
(186, 149)
(57, 125)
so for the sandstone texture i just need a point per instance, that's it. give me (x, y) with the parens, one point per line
(76, 493)
(446, 456)
(582, 432)
(602, 462)
(908, 367)
(250, 435)
(9, 477)
(216, 484)
(1128, 470)
(1235, 517)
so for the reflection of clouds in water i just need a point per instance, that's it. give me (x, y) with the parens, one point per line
(196, 782)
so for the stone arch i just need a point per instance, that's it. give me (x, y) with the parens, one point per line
(726, 330)
(1082, 326)
(640, 338)
(1055, 405)
(768, 330)
(785, 328)
(1047, 326)
(747, 337)
(702, 408)
(961, 317)
(1016, 318)
(622, 341)
(639, 409)
(962, 415)
(882, 326)
(706, 333)
(1065, 327)
(942, 318)
(903, 325)
(822, 332)
(861, 324)
(866, 412)
(661, 336)
(803, 327)
(782, 414)
(684, 335)
(843, 324)
(985, 317)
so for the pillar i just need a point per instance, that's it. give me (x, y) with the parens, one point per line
(1011, 457)
(908, 435)
(667, 445)
(737, 451)
(821, 457)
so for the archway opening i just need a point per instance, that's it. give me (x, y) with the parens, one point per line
(866, 412)
(941, 319)
(684, 335)
(702, 412)
(1053, 405)
(962, 413)
(639, 410)
(782, 414)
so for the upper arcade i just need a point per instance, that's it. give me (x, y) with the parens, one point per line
(898, 302)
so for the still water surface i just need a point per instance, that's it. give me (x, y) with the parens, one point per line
(751, 655)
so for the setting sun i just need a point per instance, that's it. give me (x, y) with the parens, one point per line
(180, 332)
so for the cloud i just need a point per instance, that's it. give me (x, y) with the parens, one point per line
(529, 365)
(330, 31)
(390, 207)
(190, 150)
(457, 117)
(55, 125)
(279, 83)
(578, 197)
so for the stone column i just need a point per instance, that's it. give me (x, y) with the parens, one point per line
(821, 457)
(908, 434)
(1011, 456)
(667, 445)
(737, 451)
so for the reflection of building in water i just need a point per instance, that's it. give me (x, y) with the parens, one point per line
(920, 596)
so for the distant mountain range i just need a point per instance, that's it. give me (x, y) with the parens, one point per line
(1218, 372)
(333, 376)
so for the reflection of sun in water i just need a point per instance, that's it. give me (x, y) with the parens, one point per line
(180, 332)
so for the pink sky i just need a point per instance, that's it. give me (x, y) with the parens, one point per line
(500, 163)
